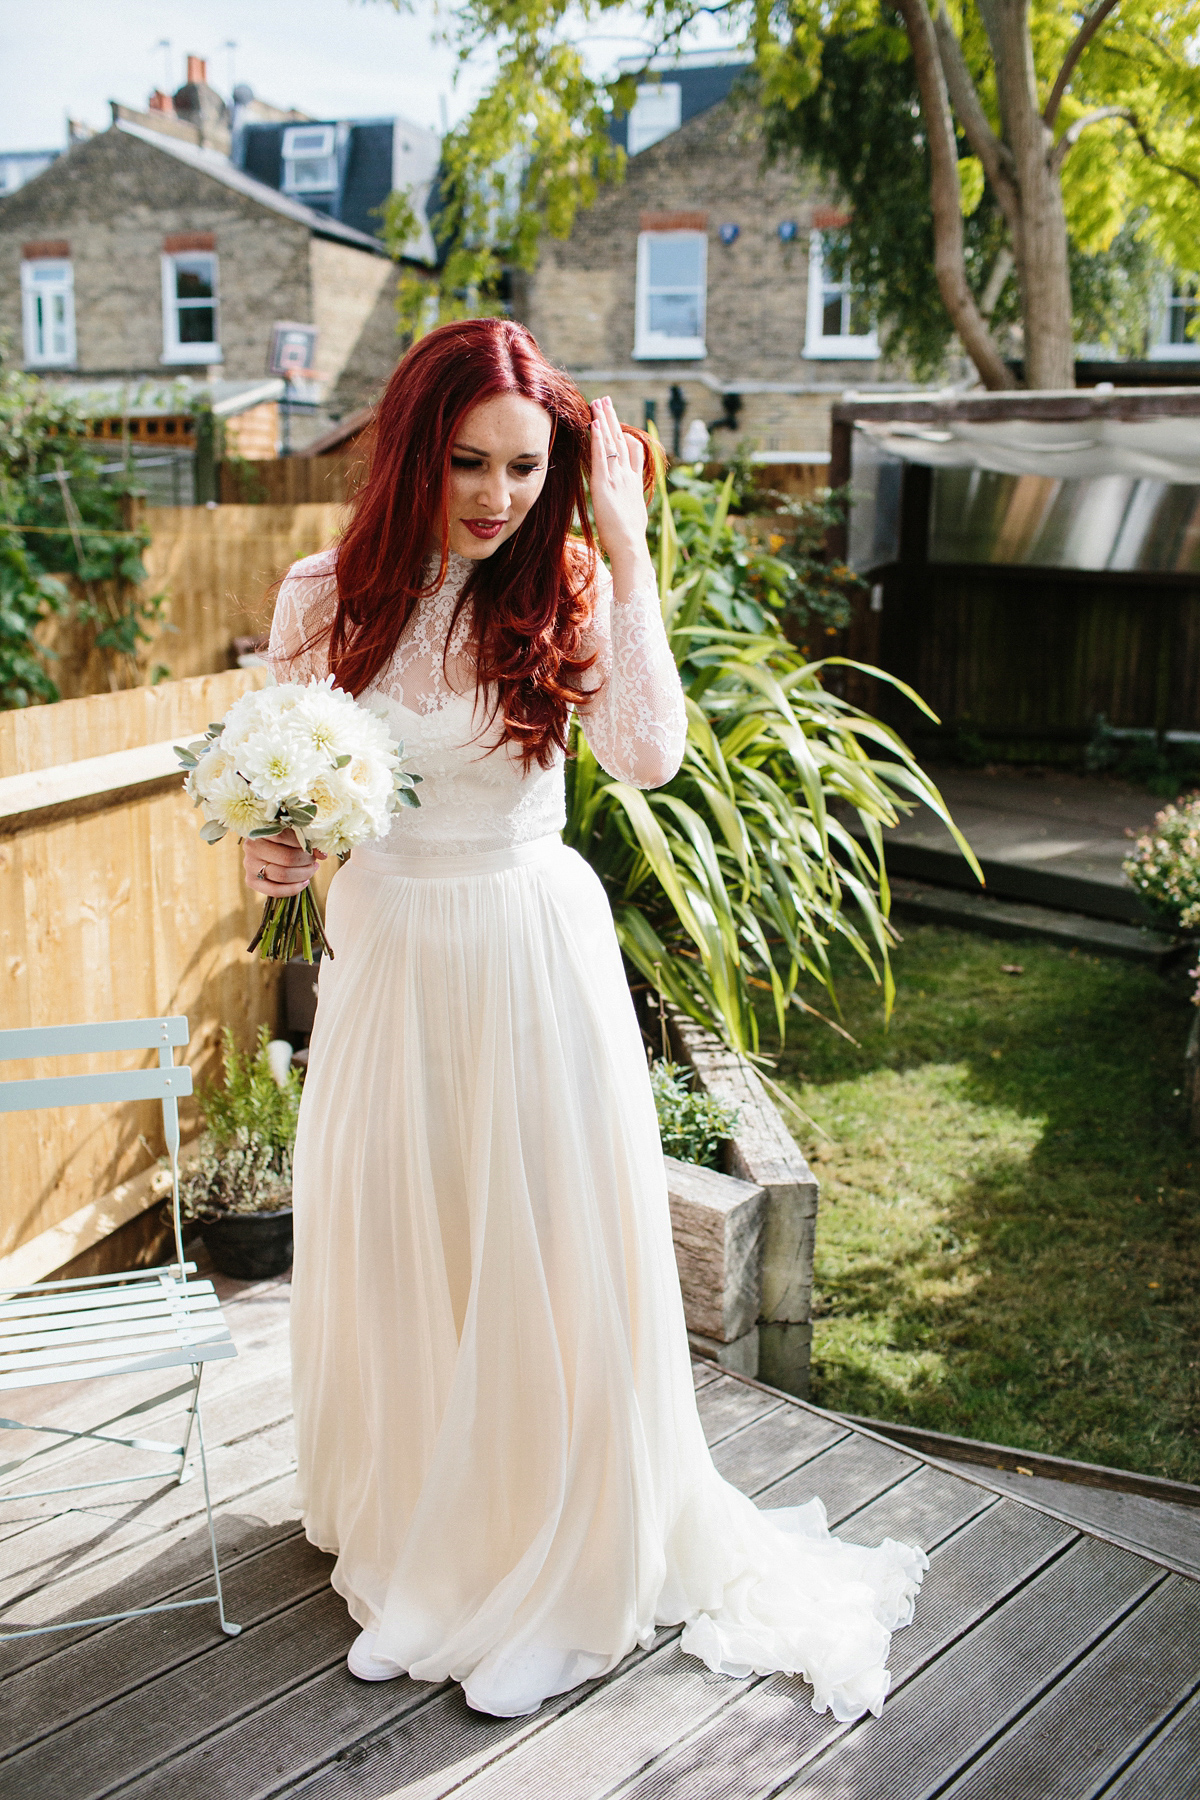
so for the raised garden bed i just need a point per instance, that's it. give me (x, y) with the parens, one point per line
(760, 1155)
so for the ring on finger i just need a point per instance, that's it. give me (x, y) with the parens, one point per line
(262, 875)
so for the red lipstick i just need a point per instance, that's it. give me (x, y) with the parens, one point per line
(485, 528)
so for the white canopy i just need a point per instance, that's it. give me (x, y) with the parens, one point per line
(1162, 449)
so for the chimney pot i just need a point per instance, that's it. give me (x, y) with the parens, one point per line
(197, 70)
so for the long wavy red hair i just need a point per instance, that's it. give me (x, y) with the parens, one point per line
(530, 600)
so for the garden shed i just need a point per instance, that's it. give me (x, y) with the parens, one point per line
(1032, 561)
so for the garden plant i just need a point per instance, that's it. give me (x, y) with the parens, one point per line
(245, 1156)
(735, 878)
(66, 546)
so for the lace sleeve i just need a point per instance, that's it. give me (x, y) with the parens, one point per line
(636, 722)
(304, 610)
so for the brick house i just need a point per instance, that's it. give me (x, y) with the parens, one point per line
(146, 253)
(704, 272)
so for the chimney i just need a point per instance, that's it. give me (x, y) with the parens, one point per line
(161, 103)
(197, 70)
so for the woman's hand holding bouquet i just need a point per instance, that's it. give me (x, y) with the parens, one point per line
(301, 771)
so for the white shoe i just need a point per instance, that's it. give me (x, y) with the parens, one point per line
(363, 1663)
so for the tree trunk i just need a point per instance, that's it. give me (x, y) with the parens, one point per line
(946, 196)
(1040, 243)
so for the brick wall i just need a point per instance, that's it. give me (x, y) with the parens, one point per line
(580, 301)
(116, 201)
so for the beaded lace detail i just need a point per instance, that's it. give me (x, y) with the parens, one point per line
(475, 793)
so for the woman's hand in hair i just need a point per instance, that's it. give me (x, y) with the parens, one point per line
(618, 499)
(277, 866)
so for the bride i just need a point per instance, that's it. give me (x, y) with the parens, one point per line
(496, 1426)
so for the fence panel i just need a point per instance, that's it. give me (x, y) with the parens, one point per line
(111, 907)
(219, 564)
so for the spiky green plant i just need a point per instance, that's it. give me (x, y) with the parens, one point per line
(739, 874)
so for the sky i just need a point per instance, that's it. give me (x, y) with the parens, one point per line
(331, 58)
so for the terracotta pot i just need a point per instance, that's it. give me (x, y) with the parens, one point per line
(250, 1246)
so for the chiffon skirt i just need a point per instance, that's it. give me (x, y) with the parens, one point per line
(497, 1430)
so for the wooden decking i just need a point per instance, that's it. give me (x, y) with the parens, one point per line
(1044, 1661)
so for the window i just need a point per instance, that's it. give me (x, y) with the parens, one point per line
(654, 114)
(1179, 309)
(190, 332)
(309, 160)
(670, 294)
(839, 324)
(48, 313)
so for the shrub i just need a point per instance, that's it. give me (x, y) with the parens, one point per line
(1164, 865)
(692, 1126)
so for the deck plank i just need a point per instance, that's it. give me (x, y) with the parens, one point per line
(1166, 1768)
(69, 1545)
(766, 1725)
(78, 1679)
(985, 1680)
(845, 1476)
(920, 1509)
(1078, 1736)
(189, 1705)
(138, 1576)
(774, 1444)
(726, 1405)
(1157, 1526)
(162, 1708)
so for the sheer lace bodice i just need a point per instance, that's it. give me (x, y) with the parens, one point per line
(475, 793)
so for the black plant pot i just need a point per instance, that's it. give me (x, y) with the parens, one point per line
(250, 1246)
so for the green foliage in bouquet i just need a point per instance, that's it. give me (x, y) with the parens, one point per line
(736, 877)
(692, 1126)
(245, 1163)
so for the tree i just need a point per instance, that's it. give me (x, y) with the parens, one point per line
(1057, 127)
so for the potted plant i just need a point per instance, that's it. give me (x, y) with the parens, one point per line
(239, 1188)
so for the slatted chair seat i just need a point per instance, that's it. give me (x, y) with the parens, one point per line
(55, 1332)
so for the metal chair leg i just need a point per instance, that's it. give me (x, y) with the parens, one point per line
(185, 1473)
(227, 1626)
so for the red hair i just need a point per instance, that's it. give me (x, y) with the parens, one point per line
(529, 601)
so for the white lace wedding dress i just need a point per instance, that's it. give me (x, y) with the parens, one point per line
(497, 1431)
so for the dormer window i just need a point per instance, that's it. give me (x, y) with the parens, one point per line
(655, 114)
(309, 160)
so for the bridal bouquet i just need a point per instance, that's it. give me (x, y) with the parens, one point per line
(304, 757)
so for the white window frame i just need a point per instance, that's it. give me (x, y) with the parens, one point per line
(297, 183)
(847, 346)
(57, 279)
(1162, 349)
(661, 98)
(174, 350)
(657, 345)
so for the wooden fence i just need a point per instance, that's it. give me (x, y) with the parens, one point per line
(219, 565)
(291, 480)
(111, 907)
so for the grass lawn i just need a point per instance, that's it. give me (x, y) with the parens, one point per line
(1007, 1239)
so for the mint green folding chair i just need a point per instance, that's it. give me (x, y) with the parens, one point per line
(111, 1325)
